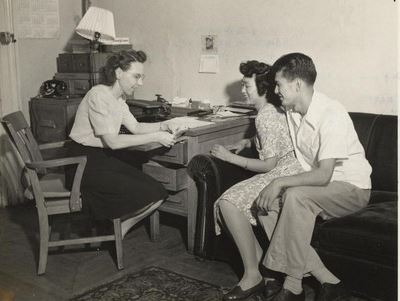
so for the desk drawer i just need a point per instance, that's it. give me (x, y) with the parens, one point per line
(79, 83)
(176, 203)
(176, 154)
(77, 86)
(177, 199)
(173, 179)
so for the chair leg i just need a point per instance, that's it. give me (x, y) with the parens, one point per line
(130, 222)
(155, 226)
(44, 233)
(118, 242)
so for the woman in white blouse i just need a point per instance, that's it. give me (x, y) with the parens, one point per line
(112, 184)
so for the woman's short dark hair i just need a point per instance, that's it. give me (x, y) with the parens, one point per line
(296, 65)
(122, 60)
(265, 79)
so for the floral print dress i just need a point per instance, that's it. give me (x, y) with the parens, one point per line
(272, 139)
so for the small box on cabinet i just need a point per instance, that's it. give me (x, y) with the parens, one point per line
(52, 118)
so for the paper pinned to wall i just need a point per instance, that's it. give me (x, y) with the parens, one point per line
(36, 19)
(209, 63)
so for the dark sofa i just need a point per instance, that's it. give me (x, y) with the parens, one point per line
(360, 248)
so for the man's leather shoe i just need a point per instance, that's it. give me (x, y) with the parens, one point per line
(333, 292)
(272, 288)
(238, 294)
(286, 295)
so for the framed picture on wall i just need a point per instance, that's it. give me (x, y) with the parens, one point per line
(209, 44)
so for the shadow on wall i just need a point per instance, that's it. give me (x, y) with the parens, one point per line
(234, 92)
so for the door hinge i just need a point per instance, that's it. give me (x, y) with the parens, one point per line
(7, 38)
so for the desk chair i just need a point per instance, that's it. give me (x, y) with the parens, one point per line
(52, 198)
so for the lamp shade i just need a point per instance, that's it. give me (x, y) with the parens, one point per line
(97, 20)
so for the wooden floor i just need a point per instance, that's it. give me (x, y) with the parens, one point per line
(73, 271)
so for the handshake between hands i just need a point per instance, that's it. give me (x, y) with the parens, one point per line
(171, 133)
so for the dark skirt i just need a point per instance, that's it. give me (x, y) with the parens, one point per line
(113, 184)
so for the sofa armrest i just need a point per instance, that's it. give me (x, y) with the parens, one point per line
(212, 177)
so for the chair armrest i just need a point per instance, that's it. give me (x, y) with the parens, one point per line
(74, 200)
(52, 145)
(212, 177)
(56, 162)
(215, 174)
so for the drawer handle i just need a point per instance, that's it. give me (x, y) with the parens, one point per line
(82, 88)
(162, 181)
(47, 124)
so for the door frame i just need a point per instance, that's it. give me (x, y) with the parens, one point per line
(10, 98)
(10, 101)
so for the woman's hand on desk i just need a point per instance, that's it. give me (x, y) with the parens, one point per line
(239, 146)
(176, 129)
(165, 138)
(221, 152)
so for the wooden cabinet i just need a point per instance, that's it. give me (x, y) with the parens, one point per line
(79, 83)
(81, 71)
(52, 118)
(81, 62)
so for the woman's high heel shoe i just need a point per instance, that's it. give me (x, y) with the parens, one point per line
(238, 294)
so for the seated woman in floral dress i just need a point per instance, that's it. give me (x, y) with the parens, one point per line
(276, 159)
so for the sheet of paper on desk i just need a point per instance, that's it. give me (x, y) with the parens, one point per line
(227, 114)
(239, 110)
(189, 122)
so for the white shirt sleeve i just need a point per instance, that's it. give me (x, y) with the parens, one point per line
(333, 135)
(100, 115)
(128, 120)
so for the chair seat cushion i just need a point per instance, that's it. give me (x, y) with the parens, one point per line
(370, 233)
(53, 185)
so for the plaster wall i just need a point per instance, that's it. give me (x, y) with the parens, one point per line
(354, 44)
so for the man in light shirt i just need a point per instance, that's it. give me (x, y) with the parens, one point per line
(336, 181)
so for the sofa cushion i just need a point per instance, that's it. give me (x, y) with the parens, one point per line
(370, 233)
(382, 153)
(363, 124)
(382, 196)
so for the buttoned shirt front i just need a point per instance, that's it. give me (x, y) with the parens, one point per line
(326, 131)
(98, 114)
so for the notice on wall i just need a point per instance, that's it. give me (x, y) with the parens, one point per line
(209, 64)
(36, 19)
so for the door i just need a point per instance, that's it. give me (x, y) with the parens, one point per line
(10, 165)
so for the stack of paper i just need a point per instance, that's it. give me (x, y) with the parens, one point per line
(226, 114)
(118, 41)
(188, 122)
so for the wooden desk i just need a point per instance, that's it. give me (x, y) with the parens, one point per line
(169, 166)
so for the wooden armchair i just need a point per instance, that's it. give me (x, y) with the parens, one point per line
(51, 196)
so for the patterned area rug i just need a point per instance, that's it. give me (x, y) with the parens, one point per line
(154, 283)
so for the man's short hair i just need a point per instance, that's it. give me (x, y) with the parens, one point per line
(296, 65)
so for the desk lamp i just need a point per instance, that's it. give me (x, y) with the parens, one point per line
(97, 25)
